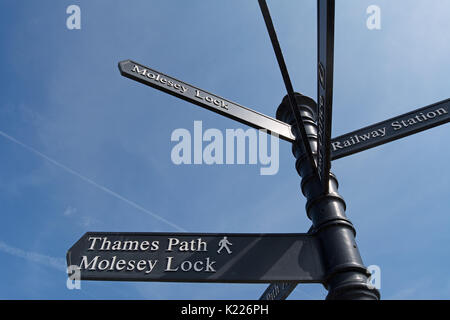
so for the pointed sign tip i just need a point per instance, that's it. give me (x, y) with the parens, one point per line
(122, 64)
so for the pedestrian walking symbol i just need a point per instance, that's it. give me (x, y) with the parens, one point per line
(224, 243)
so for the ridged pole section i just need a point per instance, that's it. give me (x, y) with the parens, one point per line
(346, 276)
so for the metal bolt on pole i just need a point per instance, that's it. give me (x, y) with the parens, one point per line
(346, 276)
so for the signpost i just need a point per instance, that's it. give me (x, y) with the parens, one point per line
(327, 254)
(189, 257)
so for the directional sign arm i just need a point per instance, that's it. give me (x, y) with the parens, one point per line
(190, 257)
(204, 99)
(325, 57)
(278, 291)
(304, 141)
(392, 129)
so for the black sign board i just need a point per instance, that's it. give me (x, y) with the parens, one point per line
(278, 291)
(202, 98)
(186, 257)
(391, 129)
(325, 57)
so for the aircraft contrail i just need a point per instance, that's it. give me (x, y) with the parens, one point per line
(56, 263)
(98, 186)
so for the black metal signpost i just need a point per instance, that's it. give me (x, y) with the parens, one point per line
(345, 275)
(327, 254)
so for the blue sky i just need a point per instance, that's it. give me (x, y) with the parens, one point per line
(84, 149)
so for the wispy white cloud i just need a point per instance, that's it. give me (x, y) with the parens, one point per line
(83, 220)
(69, 211)
(44, 260)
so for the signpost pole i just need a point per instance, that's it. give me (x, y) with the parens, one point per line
(345, 275)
